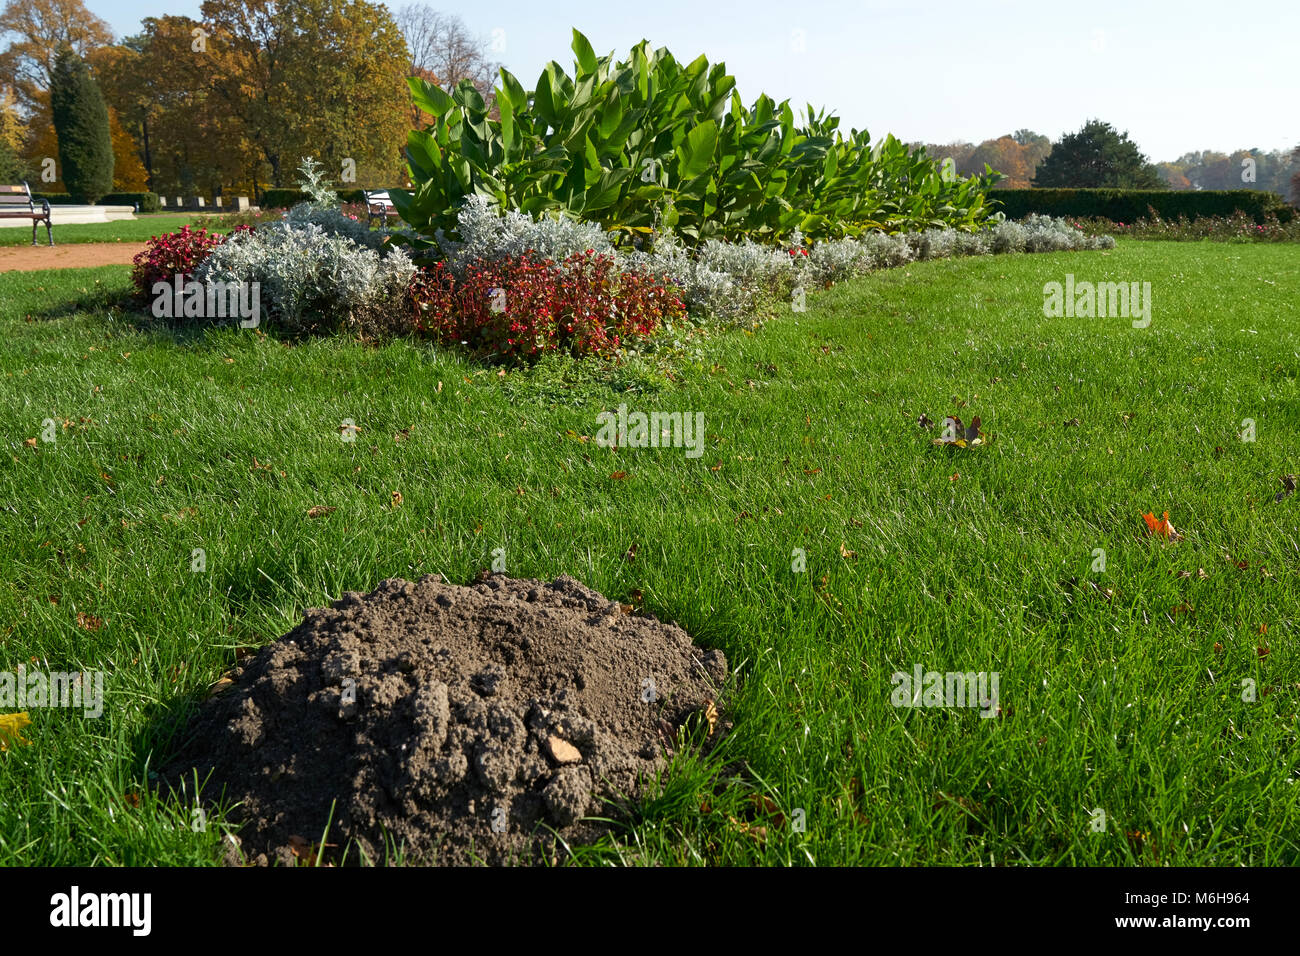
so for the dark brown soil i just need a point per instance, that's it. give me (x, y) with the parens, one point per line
(460, 724)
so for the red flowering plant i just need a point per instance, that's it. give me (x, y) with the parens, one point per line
(520, 307)
(174, 253)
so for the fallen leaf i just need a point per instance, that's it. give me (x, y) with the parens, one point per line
(924, 421)
(1072, 423)
(396, 498)
(305, 850)
(768, 807)
(630, 555)
(89, 621)
(954, 476)
(315, 511)
(757, 834)
(11, 726)
(1262, 651)
(1162, 527)
(29, 442)
(812, 471)
(846, 553)
(1218, 647)
(711, 715)
(618, 476)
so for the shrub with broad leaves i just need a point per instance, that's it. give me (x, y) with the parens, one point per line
(519, 308)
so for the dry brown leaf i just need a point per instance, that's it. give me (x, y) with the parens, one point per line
(711, 715)
(89, 621)
(316, 511)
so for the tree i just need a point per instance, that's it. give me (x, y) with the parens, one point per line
(442, 50)
(11, 140)
(1175, 176)
(82, 127)
(323, 78)
(1295, 178)
(162, 90)
(1097, 156)
(43, 28)
(1007, 156)
(128, 172)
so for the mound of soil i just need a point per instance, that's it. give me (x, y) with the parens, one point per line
(460, 724)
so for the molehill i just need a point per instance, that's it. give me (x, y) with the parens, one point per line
(436, 724)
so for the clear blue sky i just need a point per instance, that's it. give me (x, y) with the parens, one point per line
(1177, 75)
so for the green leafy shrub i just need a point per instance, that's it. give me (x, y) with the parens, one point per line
(1130, 205)
(147, 201)
(650, 143)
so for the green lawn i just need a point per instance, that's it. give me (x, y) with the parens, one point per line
(1126, 696)
(140, 229)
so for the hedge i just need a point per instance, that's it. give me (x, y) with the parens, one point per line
(148, 201)
(284, 198)
(1129, 205)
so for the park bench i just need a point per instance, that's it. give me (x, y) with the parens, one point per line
(378, 206)
(16, 202)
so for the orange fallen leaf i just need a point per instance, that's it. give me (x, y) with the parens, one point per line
(1162, 527)
(618, 476)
